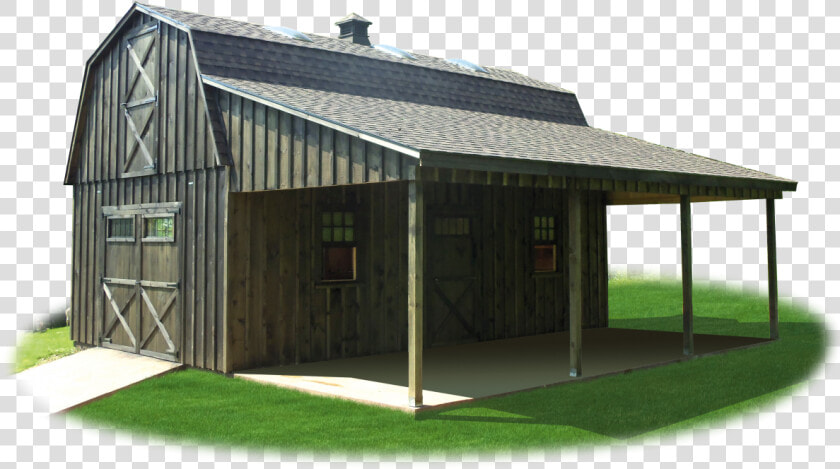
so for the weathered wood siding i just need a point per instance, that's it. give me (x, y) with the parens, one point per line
(279, 309)
(184, 137)
(186, 172)
(272, 149)
(199, 233)
(280, 312)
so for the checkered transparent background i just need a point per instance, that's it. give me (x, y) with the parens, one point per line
(752, 85)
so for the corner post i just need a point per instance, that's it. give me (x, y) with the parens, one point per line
(772, 276)
(688, 307)
(415, 290)
(575, 283)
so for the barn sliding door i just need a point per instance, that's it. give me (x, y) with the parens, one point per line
(139, 106)
(142, 278)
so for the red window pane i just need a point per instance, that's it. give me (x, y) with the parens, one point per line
(544, 258)
(339, 263)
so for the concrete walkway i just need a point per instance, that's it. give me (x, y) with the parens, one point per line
(88, 375)
(464, 372)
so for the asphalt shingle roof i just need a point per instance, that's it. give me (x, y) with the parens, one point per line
(427, 104)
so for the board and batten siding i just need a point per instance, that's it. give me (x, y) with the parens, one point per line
(272, 149)
(186, 172)
(280, 312)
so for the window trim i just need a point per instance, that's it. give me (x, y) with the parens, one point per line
(158, 239)
(439, 228)
(119, 239)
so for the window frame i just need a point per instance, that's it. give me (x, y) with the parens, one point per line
(325, 245)
(158, 239)
(544, 243)
(443, 229)
(120, 239)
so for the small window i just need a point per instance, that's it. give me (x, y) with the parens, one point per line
(159, 228)
(339, 263)
(452, 226)
(120, 229)
(338, 235)
(338, 227)
(545, 244)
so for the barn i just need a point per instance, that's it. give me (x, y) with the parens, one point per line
(248, 195)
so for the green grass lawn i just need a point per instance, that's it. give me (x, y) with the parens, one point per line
(212, 409)
(41, 347)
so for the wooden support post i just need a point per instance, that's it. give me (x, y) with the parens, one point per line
(688, 307)
(773, 286)
(575, 284)
(415, 292)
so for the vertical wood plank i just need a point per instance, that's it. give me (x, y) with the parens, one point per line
(222, 230)
(415, 293)
(247, 171)
(313, 157)
(77, 262)
(390, 266)
(180, 163)
(772, 276)
(259, 147)
(299, 153)
(201, 255)
(99, 264)
(236, 140)
(272, 125)
(688, 308)
(190, 83)
(342, 158)
(327, 157)
(376, 274)
(286, 151)
(304, 238)
(210, 284)
(498, 261)
(510, 260)
(374, 163)
(392, 165)
(171, 99)
(358, 173)
(575, 292)
(603, 263)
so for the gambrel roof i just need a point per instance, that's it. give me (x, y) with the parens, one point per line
(430, 107)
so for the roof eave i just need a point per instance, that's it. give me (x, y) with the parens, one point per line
(552, 168)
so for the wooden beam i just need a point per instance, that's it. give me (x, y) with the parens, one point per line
(772, 277)
(415, 293)
(575, 283)
(688, 308)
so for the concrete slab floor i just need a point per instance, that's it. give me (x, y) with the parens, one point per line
(463, 372)
(88, 375)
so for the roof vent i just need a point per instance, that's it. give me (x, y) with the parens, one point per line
(289, 33)
(467, 64)
(354, 28)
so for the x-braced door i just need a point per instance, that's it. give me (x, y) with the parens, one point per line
(139, 104)
(141, 282)
(452, 290)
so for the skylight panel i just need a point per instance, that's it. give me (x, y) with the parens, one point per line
(467, 64)
(289, 33)
(394, 51)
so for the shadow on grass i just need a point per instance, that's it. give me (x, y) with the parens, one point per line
(628, 405)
